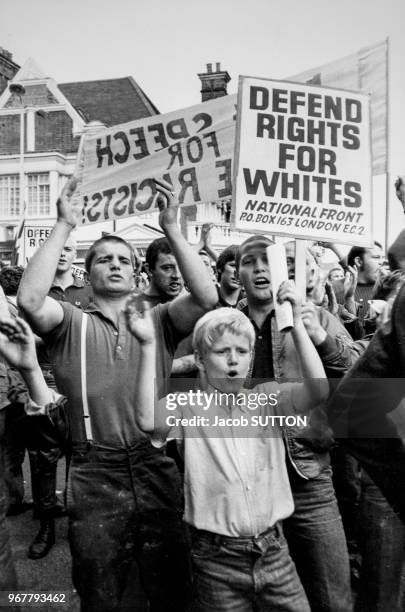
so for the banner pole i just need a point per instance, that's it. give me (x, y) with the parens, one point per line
(301, 268)
(387, 142)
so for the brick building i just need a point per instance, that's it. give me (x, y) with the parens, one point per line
(40, 127)
(41, 123)
(8, 68)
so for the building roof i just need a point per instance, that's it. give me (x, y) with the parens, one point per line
(112, 101)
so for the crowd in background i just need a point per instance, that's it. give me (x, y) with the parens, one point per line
(124, 495)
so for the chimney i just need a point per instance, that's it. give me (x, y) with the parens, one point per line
(214, 84)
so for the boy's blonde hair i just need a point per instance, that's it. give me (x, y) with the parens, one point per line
(215, 323)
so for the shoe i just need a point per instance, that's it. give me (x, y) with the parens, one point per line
(43, 541)
(56, 512)
(15, 509)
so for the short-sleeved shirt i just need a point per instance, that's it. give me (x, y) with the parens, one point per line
(78, 293)
(236, 486)
(222, 303)
(112, 361)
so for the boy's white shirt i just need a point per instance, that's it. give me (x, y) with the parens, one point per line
(234, 485)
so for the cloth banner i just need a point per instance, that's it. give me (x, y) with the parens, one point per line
(191, 148)
(366, 71)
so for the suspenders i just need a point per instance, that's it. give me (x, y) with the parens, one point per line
(83, 376)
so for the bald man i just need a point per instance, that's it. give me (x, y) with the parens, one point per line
(67, 287)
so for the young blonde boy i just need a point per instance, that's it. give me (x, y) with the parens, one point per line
(236, 484)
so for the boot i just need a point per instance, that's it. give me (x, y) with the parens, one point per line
(57, 511)
(43, 541)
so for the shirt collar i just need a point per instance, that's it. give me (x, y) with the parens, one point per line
(77, 282)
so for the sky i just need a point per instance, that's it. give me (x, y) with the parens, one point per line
(164, 44)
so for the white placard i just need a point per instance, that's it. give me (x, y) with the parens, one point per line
(278, 271)
(303, 162)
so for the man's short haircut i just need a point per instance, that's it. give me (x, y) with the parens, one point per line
(353, 253)
(337, 267)
(215, 323)
(227, 255)
(251, 239)
(72, 241)
(10, 278)
(135, 259)
(357, 251)
(160, 245)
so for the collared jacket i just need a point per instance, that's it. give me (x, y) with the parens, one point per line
(338, 352)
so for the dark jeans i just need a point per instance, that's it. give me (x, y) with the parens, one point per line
(318, 545)
(8, 577)
(36, 433)
(43, 465)
(14, 453)
(124, 505)
(245, 574)
(381, 538)
(347, 484)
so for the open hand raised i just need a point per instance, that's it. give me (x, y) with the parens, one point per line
(68, 211)
(17, 343)
(139, 324)
(166, 203)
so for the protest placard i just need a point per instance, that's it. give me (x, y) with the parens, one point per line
(191, 148)
(34, 236)
(303, 162)
(78, 272)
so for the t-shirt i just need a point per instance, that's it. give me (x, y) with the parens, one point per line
(234, 485)
(362, 295)
(112, 359)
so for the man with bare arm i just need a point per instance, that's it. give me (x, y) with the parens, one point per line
(124, 498)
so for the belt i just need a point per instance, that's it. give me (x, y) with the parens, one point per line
(90, 451)
(218, 539)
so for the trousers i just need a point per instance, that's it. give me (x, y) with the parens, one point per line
(8, 577)
(381, 538)
(124, 506)
(317, 543)
(36, 434)
(245, 574)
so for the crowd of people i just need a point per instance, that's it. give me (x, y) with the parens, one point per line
(289, 518)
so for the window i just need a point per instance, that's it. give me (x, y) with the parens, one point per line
(38, 194)
(9, 195)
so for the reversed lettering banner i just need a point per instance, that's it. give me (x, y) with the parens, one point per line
(191, 148)
(303, 162)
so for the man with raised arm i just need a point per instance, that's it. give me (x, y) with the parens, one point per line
(236, 483)
(123, 499)
(315, 525)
